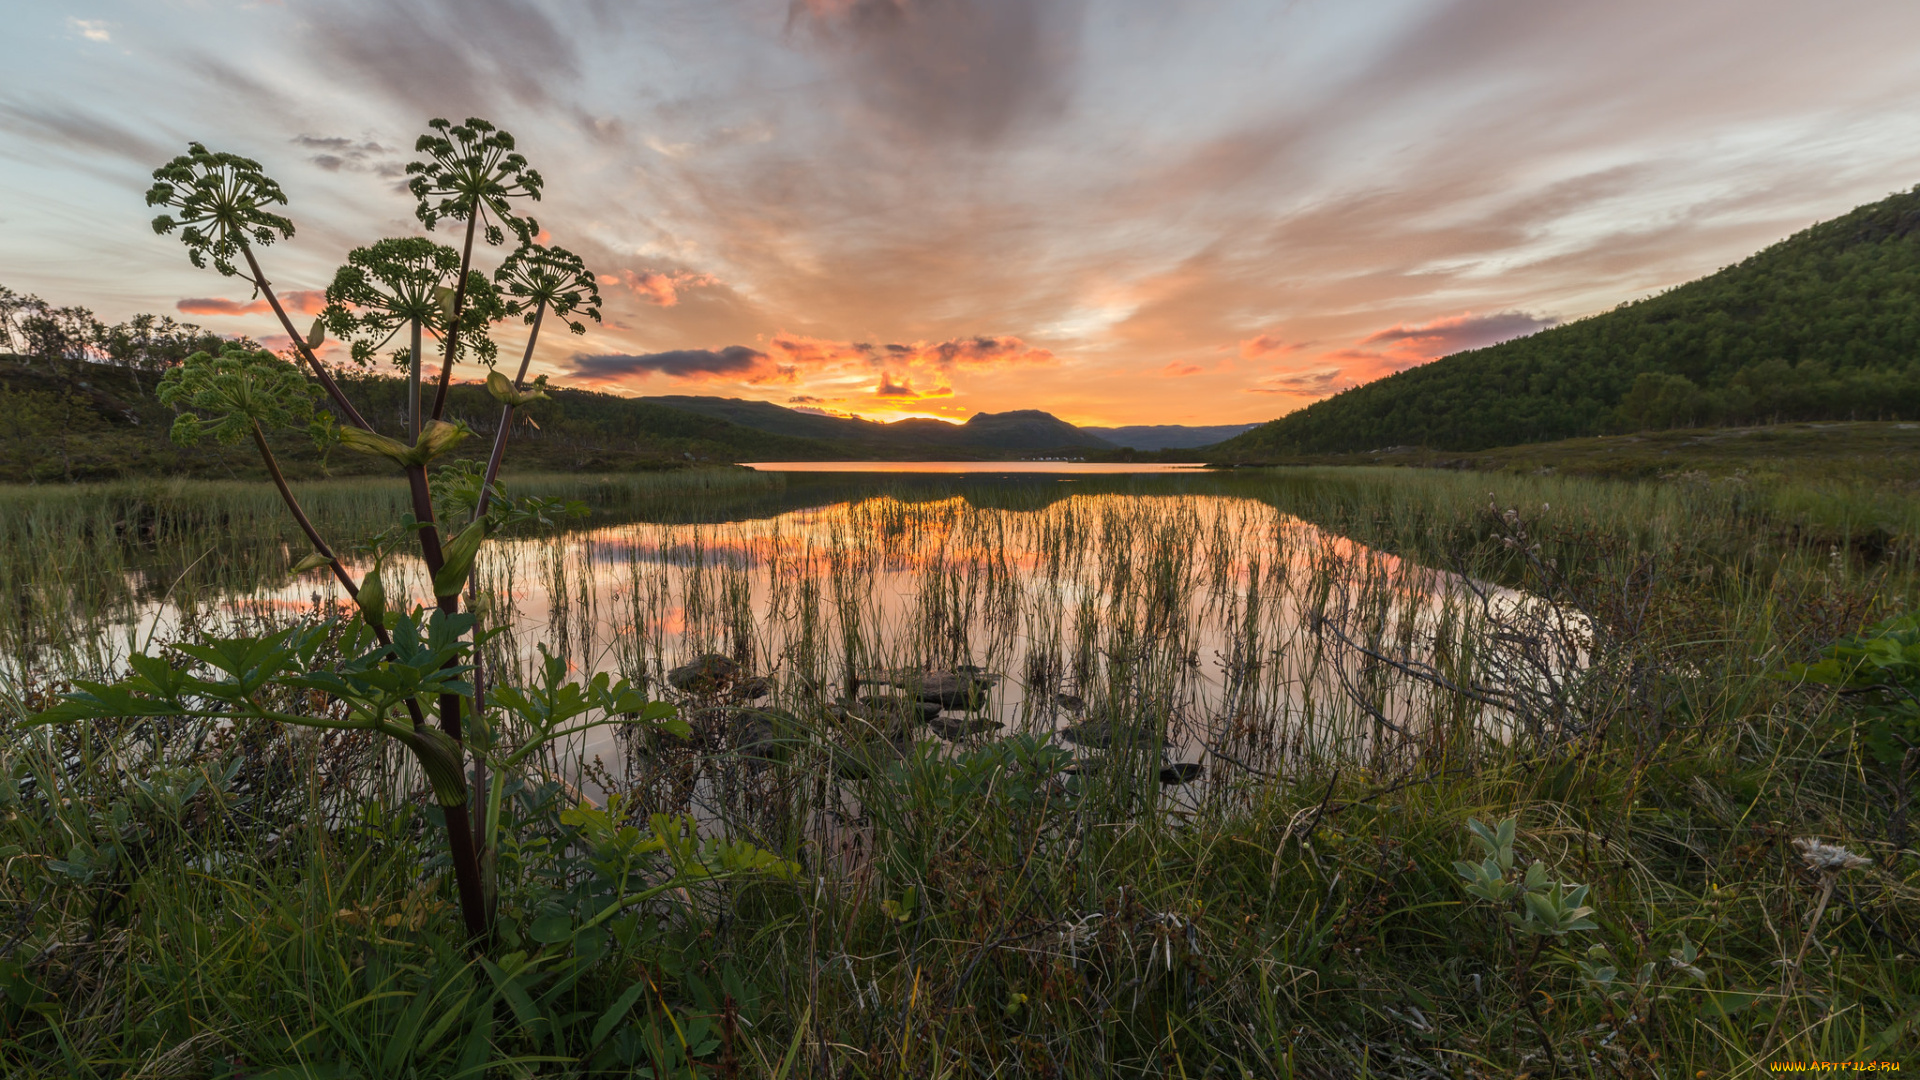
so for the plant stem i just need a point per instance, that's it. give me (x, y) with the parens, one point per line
(1828, 881)
(466, 865)
(413, 386)
(506, 417)
(299, 515)
(300, 346)
(459, 305)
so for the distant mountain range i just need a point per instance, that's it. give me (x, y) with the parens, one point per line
(1027, 430)
(1824, 325)
(1168, 436)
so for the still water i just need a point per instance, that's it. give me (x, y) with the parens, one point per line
(974, 468)
(1073, 612)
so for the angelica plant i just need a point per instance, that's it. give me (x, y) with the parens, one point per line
(471, 173)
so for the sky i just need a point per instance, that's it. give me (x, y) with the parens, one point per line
(1122, 212)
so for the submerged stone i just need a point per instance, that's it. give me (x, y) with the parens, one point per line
(1181, 772)
(955, 728)
(709, 673)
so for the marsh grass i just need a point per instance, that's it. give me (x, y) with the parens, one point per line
(225, 901)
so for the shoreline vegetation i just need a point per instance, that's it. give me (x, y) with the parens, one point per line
(1304, 920)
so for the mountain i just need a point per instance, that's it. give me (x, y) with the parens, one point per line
(1019, 430)
(1824, 325)
(1168, 436)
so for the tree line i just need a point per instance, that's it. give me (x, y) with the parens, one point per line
(63, 338)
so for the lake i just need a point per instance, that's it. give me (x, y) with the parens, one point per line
(1190, 605)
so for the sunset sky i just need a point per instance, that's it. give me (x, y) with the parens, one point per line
(1125, 211)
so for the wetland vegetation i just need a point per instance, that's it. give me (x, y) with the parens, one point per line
(1006, 886)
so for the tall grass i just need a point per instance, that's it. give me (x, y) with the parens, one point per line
(1328, 644)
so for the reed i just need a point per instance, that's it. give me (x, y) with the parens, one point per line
(1360, 660)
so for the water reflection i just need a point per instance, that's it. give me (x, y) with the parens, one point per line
(1105, 615)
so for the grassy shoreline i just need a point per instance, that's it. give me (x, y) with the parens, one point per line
(1305, 919)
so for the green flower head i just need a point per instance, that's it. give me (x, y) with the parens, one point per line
(228, 394)
(535, 275)
(384, 288)
(471, 172)
(222, 205)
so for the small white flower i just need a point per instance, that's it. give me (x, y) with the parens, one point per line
(1824, 858)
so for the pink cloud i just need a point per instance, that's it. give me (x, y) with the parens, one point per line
(659, 288)
(1264, 346)
(295, 301)
(1179, 370)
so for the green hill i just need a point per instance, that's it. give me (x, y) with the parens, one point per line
(1822, 326)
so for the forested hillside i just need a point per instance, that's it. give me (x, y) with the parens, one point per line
(1824, 325)
(96, 421)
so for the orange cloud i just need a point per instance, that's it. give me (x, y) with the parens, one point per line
(1264, 346)
(659, 288)
(1179, 370)
(296, 301)
(979, 351)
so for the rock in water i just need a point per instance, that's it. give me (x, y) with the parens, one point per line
(752, 689)
(1181, 772)
(1103, 734)
(955, 728)
(708, 674)
(963, 688)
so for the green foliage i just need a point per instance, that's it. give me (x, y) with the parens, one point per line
(470, 174)
(235, 391)
(1820, 326)
(534, 276)
(1880, 671)
(1547, 908)
(221, 203)
(393, 284)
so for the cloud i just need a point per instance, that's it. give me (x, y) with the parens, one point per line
(889, 388)
(735, 362)
(1264, 347)
(91, 29)
(452, 59)
(946, 70)
(338, 154)
(1316, 384)
(1179, 369)
(806, 399)
(66, 127)
(659, 288)
(295, 301)
(1457, 333)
